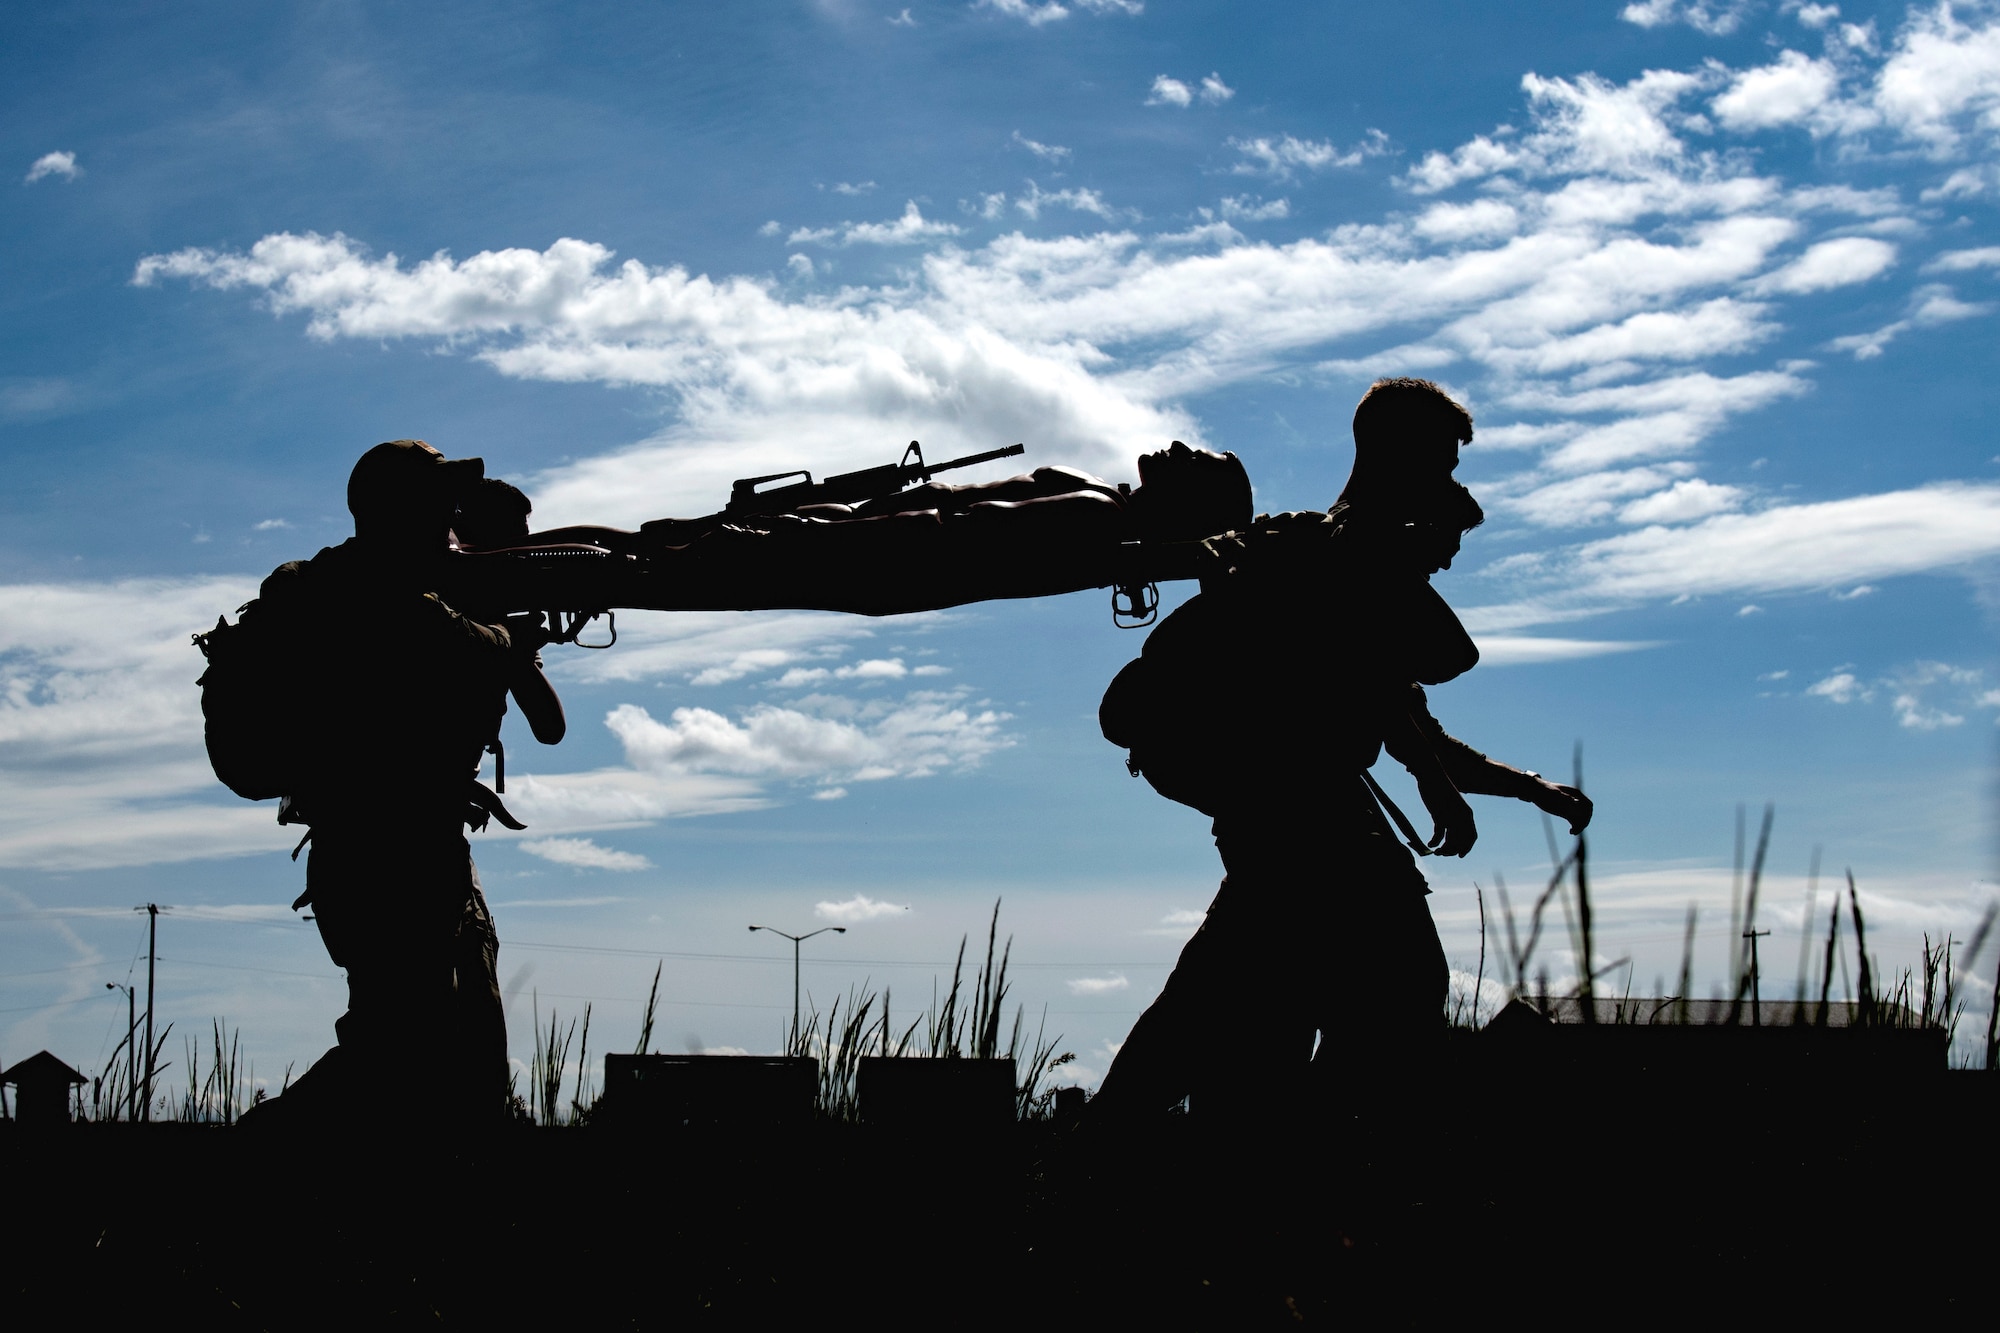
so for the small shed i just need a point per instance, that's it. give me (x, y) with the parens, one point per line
(41, 1089)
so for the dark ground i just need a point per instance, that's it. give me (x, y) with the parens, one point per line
(1540, 1189)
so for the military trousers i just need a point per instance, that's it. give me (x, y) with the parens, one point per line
(1316, 981)
(402, 912)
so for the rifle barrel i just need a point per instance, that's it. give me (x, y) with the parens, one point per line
(1009, 452)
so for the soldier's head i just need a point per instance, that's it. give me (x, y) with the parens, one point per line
(1187, 494)
(492, 515)
(1407, 434)
(403, 494)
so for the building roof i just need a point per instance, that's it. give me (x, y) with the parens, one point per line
(41, 1067)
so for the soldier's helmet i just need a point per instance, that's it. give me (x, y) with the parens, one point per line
(408, 479)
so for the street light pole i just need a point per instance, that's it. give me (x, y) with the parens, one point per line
(131, 1054)
(797, 940)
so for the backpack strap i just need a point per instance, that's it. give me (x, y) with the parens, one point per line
(1402, 820)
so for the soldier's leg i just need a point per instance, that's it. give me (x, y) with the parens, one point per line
(1221, 1030)
(481, 1014)
(378, 904)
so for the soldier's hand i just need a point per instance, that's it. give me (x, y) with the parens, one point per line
(1455, 832)
(1564, 802)
(527, 631)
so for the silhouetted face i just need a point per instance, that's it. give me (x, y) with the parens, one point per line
(1437, 546)
(1203, 492)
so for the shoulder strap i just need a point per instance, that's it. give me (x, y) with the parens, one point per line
(1402, 820)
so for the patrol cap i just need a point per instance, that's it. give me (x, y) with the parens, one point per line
(394, 473)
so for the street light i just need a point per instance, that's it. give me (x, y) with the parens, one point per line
(131, 1055)
(797, 940)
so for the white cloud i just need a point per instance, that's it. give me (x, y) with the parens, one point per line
(1035, 15)
(1786, 548)
(874, 668)
(716, 647)
(1942, 72)
(1912, 690)
(1840, 688)
(1813, 15)
(1929, 306)
(834, 740)
(1075, 199)
(1959, 261)
(909, 229)
(59, 163)
(1169, 91)
(1279, 158)
(583, 854)
(1048, 152)
(101, 725)
(1683, 502)
(1477, 157)
(1965, 183)
(1480, 220)
(1793, 90)
(1715, 18)
(1246, 209)
(1837, 263)
(854, 189)
(1184, 917)
(1529, 650)
(1099, 985)
(857, 909)
(609, 798)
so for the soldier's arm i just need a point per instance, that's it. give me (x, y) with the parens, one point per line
(1472, 771)
(1455, 830)
(537, 698)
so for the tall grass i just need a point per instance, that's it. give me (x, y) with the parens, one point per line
(549, 1064)
(964, 1021)
(1928, 997)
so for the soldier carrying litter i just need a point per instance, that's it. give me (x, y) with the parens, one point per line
(353, 691)
(1263, 701)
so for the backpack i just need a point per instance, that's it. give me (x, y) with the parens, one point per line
(1177, 707)
(247, 697)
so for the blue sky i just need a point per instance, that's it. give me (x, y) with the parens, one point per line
(1717, 281)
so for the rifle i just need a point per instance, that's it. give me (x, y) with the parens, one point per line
(849, 487)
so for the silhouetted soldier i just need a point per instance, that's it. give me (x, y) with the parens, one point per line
(398, 696)
(1262, 702)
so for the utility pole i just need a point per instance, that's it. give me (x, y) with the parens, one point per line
(1756, 1000)
(796, 941)
(152, 911)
